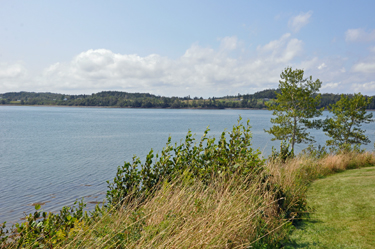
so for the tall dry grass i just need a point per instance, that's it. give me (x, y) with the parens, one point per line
(304, 168)
(229, 213)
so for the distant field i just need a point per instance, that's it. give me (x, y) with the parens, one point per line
(343, 212)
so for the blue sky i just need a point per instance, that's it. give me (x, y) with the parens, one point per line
(180, 48)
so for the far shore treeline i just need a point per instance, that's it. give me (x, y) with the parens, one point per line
(147, 100)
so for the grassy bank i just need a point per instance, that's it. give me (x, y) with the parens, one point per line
(229, 213)
(342, 212)
(205, 194)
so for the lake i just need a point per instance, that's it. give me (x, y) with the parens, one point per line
(56, 155)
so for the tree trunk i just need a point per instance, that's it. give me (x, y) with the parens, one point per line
(294, 133)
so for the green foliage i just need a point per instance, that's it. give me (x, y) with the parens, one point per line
(294, 106)
(283, 154)
(135, 100)
(145, 100)
(348, 116)
(203, 160)
(4, 234)
(315, 152)
(43, 229)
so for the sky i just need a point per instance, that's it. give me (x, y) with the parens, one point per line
(180, 48)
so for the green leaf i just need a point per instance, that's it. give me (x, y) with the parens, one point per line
(37, 206)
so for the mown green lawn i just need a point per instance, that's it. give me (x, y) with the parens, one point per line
(343, 212)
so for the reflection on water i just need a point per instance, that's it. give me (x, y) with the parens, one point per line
(55, 155)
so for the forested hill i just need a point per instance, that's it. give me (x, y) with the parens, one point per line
(147, 100)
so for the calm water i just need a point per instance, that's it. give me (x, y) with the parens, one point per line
(59, 154)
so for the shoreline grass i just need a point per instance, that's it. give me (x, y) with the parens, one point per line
(230, 212)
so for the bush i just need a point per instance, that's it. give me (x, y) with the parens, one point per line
(282, 155)
(43, 229)
(204, 161)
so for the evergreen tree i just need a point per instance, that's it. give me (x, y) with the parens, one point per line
(348, 116)
(295, 104)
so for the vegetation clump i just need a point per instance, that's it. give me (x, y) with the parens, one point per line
(204, 161)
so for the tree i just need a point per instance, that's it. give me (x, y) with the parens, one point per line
(296, 103)
(344, 126)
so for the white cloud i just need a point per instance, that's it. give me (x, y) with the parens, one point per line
(8, 71)
(14, 77)
(200, 71)
(367, 64)
(321, 66)
(297, 22)
(359, 35)
(276, 44)
(364, 67)
(229, 43)
(330, 86)
(282, 50)
(364, 87)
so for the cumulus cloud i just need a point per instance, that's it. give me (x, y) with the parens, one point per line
(364, 87)
(12, 71)
(203, 71)
(199, 71)
(330, 86)
(298, 22)
(359, 35)
(282, 50)
(13, 77)
(229, 43)
(364, 67)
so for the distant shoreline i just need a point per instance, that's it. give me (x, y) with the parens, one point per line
(167, 108)
(119, 107)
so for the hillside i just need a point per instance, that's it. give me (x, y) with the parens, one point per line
(147, 100)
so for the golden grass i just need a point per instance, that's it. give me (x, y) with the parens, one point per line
(224, 214)
(303, 168)
(349, 160)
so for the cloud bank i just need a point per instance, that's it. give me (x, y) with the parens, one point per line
(200, 71)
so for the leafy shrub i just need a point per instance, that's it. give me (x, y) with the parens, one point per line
(43, 229)
(315, 152)
(282, 155)
(203, 160)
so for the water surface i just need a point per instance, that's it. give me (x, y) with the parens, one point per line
(59, 154)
